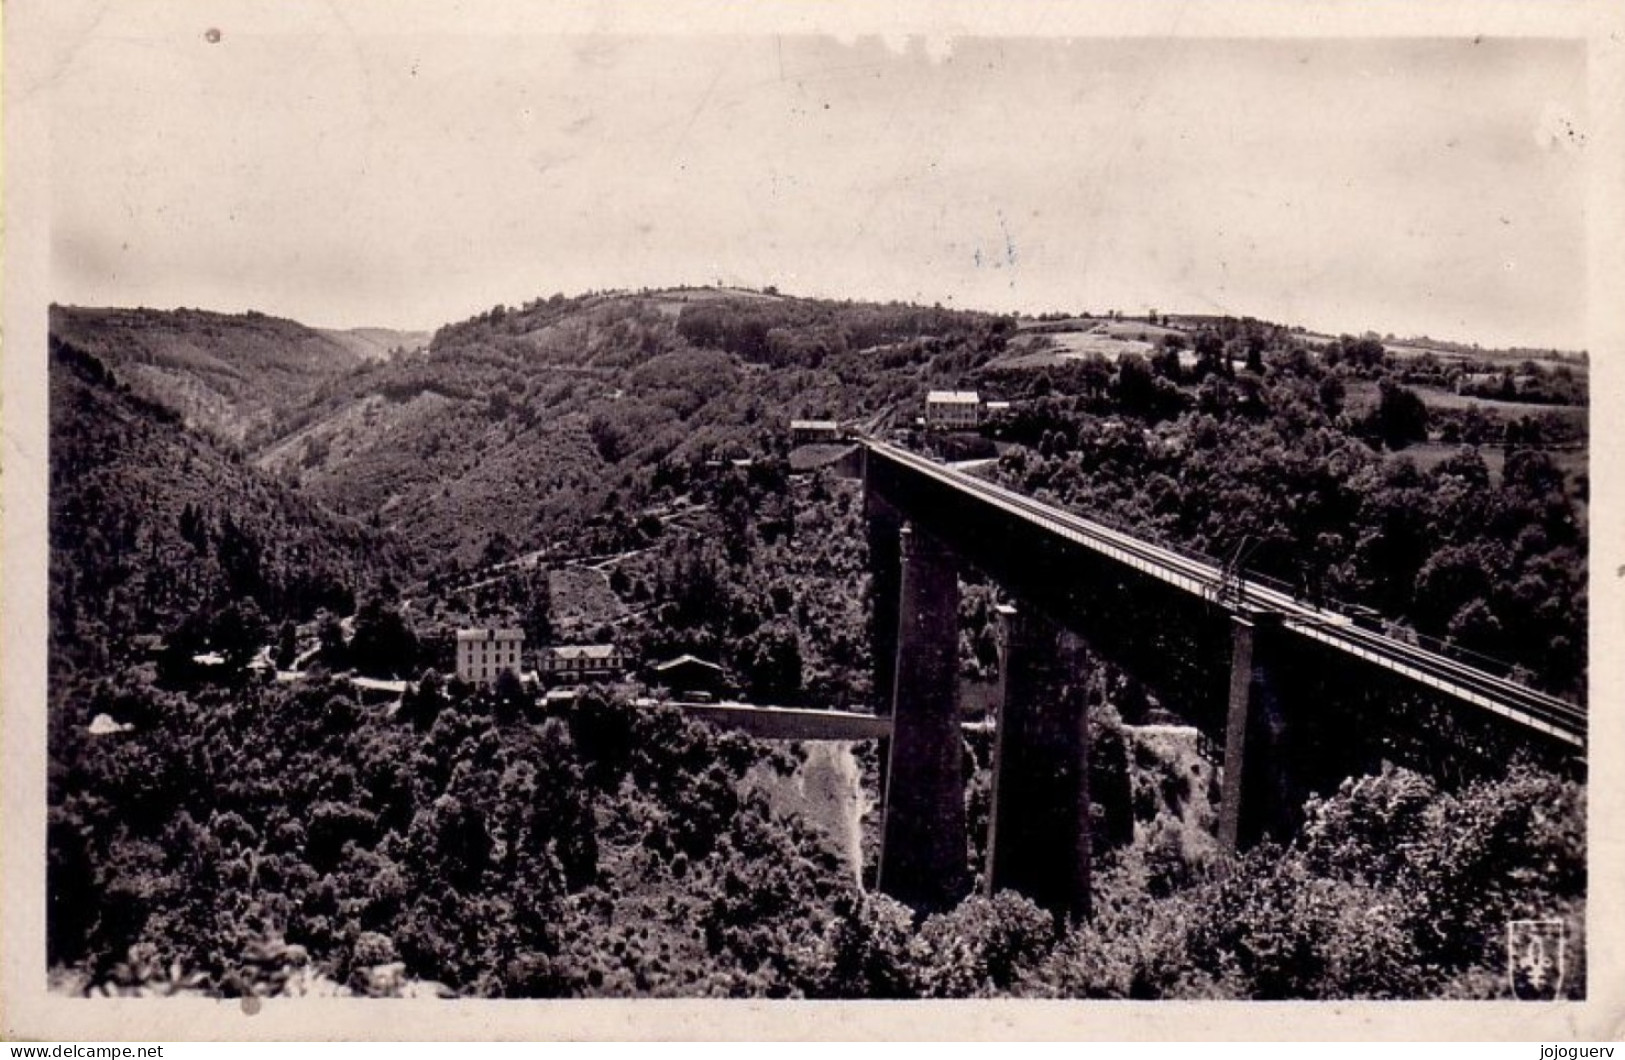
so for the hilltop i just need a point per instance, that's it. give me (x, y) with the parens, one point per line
(524, 423)
(228, 374)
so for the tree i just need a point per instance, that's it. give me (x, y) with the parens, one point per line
(1166, 360)
(872, 957)
(1477, 627)
(1365, 354)
(70, 875)
(1466, 464)
(1136, 389)
(1331, 394)
(1255, 353)
(449, 840)
(194, 527)
(1210, 355)
(238, 632)
(383, 645)
(1402, 417)
(333, 650)
(538, 620)
(287, 645)
(421, 705)
(983, 944)
(508, 697)
(771, 661)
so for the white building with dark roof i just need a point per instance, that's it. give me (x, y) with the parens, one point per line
(574, 661)
(807, 432)
(482, 654)
(953, 408)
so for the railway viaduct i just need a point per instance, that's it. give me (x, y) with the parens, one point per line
(1298, 697)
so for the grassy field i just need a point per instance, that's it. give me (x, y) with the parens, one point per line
(1117, 329)
(1362, 395)
(1510, 357)
(582, 598)
(1048, 350)
(1444, 399)
(1427, 455)
(671, 303)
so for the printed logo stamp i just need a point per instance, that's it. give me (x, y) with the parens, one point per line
(1535, 952)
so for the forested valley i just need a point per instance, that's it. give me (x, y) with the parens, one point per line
(617, 467)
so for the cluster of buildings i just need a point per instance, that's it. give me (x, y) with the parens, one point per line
(483, 655)
(953, 410)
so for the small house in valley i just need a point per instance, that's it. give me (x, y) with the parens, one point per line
(579, 662)
(810, 432)
(557, 698)
(689, 675)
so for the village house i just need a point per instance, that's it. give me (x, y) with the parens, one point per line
(953, 409)
(483, 654)
(809, 432)
(689, 675)
(555, 700)
(582, 662)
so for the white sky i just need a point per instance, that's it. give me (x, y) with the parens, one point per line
(343, 174)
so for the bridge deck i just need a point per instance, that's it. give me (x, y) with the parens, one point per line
(1525, 706)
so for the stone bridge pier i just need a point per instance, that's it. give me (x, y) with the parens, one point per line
(1039, 837)
(1257, 796)
(1039, 831)
(1039, 834)
(923, 850)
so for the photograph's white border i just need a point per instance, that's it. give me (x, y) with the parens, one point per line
(36, 36)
